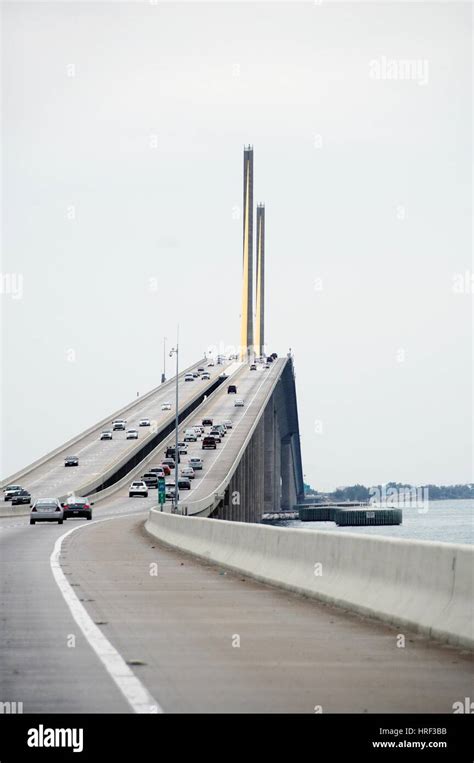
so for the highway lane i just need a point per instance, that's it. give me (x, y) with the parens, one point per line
(204, 639)
(96, 456)
(45, 661)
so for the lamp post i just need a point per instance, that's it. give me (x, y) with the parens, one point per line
(163, 375)
(175, 351)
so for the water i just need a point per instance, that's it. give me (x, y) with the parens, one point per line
(445, 521)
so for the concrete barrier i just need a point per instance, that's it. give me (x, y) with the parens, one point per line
(419, 585)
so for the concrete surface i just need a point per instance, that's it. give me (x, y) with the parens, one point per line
(415, 584)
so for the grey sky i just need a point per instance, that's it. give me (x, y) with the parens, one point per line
(367, 186)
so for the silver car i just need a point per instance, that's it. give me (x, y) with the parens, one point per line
(46, 510)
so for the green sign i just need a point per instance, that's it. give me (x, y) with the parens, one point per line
(161, 490)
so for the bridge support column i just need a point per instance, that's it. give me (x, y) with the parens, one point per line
(288, 498)
(272, 474)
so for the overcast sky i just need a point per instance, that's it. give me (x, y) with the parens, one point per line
(123, 130)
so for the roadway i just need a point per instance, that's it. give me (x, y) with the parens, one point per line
(180, 629)
(97, 457)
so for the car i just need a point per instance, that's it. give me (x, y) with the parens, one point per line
(207, 422)
(190, 435)
(195, 463)
(170, 489)
(132, 434)
(106, 435)
(195, 375)
(216, 435)
(71, 461)
(144, 423)
(150, 479)
(166, 469)
(205, 376)
(184, 483)
(169, 462)
(119, 425)
(46, 510)
(188, 377)
(274, 355)
(223, 375)
(200, 370)
(138, 487)
(222, 429)
(77, 507)
(188, 471)
(269, 359)
(232, 389)
(199, 430)
(170, 454)
(9, 490)
(267, 365)
(182, 448)
(211, 363)
(228, 424)
(253, 367)
(21, 497)
(208, 443)
(159, 471)
(166, 407)
(239, 403)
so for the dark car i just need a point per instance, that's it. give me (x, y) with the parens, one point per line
(231, 389)
(20, 497)
(274, 355)
(253, 367)
(170, 454)
(71, 461)
(150, 479)
(207, 422)
(77, 507)
(269, 359)
(209, 443)
(184, 483)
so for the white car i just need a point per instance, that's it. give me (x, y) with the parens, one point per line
(195, 463)
(198, 430)
(187, 471)
(138, 487)
(211, 363)
(9, 490)
(206, 376)
(166, 407)
(188, 377)
(190, 435)
(144, 423)
(239, 403)
(132, 434)
(228, 424)
(106, 435)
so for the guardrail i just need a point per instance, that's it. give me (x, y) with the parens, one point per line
(418, 585)
(67, 445)
(206, 506)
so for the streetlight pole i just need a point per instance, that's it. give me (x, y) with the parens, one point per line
(163, 375)
(175, 351)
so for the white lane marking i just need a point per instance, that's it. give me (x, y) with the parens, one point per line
(136, 694)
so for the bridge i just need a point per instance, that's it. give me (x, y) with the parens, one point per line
(201, 608)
